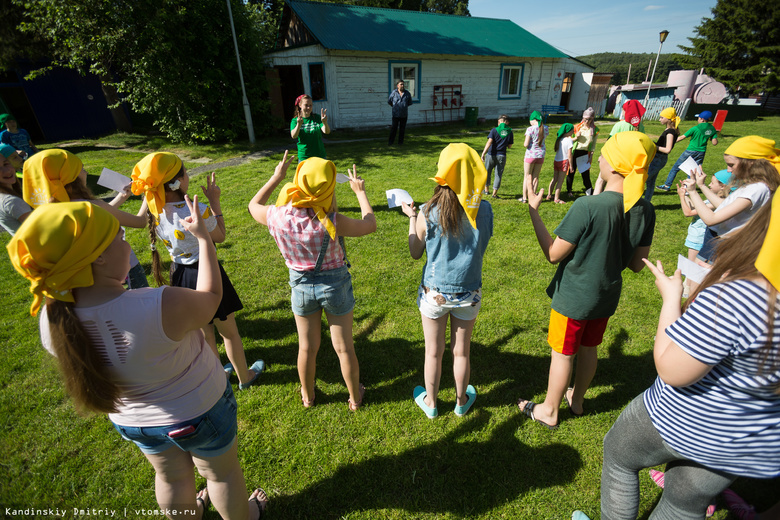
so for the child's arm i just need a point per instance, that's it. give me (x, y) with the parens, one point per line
(682, 137)
(527, 140)
(212, 192)
(257, 206)
(352, 227)
(417, 227)
(637, 262)
(124, 218)
(570, 158)
(324, 117)
(713, 197)
(487, 147)
(685, 203)
(669, 144)
(554, 250)
(708, 215)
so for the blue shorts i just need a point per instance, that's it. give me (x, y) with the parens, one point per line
(213, 433)
(330, 290)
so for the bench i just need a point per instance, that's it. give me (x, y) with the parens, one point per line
(554, 110)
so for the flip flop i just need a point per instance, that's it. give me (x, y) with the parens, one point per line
(203, 498)
(471, 393)
(309, 403)
(262, 503)
(568, 403)
(419, 398)
(528, 410)
(257, 367)
(354, 406)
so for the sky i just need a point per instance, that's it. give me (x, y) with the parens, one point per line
(583, 27)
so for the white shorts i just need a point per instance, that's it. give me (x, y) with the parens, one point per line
(464, 306)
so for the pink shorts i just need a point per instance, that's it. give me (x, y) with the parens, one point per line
(534, 161)
(561, 166)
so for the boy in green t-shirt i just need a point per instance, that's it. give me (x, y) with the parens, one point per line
(598, 238)
(700, 135)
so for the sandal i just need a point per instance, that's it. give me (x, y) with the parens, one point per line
(528, 410)
(260, 499)
(568, 403)
(203, 499)
(309, 403)
(354, 406)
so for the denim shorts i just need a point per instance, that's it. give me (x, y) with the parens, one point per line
(330, 290)
(463, 306)
(213, 434)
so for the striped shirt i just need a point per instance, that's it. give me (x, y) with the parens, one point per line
(730, 419)
(299, 233)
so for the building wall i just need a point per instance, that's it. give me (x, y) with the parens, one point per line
(358, 84)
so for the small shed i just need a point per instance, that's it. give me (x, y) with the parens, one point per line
(348, 58)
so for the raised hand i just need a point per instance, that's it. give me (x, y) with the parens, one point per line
(670, 287)
(408, 209)
(281, 168)
(211, 190)
(324, 114)
(355, 181)
(194, 223)
(535, 199)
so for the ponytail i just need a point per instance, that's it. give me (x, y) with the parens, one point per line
(540, 137)
(84, 372)
(157, 269)
(558, 142)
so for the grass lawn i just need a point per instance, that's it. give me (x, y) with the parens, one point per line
(387, 460)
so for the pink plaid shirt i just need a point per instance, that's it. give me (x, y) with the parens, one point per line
(299, 233)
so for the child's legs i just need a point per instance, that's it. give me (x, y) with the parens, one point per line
(556, 182)
(226, 484)
(343, 344)
(500, 164)
(490, 163)
(434, 331)
(676, 167)
(536, 168)
(688, 489)
(527, 179)
(656, 165)
(460, 339)
(570, 180)
(174, 480)
(587, 361)
(234, 347)
(211, 338)
(309, 337)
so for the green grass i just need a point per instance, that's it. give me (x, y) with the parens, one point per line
(387, 460)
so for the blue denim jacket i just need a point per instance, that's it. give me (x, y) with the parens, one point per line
(454, 264)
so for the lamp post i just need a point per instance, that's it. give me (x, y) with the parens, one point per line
(663, 36)
(247, 113)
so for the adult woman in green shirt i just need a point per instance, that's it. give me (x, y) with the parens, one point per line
(308, 129)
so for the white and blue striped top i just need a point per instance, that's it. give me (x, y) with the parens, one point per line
(730, 419)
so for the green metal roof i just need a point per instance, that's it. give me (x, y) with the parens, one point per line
(358, 28)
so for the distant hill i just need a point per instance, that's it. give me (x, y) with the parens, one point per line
(618, 62)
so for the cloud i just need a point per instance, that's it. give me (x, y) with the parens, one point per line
(654, 7)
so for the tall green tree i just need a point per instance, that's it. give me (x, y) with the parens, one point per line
(173, 59)
(738, 46)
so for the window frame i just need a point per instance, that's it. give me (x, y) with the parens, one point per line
(324, 81)
(508, 67)
(417, 87)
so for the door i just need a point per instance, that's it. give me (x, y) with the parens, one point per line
(291, 84)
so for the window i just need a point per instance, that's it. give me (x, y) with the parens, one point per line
(567, 82)
(409, 73)
(317, 82)
(511, 85)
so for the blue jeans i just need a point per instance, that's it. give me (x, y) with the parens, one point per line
(656, 165)
(213, 434)
(330, 290)
(697, 156)
(498, 162)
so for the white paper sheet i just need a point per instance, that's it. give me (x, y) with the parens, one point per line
(113, 180)
(396, 196)
(689, 166)
(582, 163)
(692, 270)
(341, 178)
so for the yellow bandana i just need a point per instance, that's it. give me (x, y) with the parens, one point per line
(768, 261)
(150, 175)
(461, 169)
(55, 246)
(630, 153)
(46, 174)
(754, 147)
(671, 114)
(312, 187)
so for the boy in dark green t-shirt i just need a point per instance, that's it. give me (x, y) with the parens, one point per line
(700, 135)
(597, 239)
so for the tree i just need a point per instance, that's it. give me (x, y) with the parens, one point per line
(738, 46)
(173, 59)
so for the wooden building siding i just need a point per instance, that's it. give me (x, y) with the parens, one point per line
(357, 84)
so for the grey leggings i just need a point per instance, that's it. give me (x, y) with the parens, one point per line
(633, 444)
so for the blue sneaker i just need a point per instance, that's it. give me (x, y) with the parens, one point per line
(257, 367)
(663, 187)
(579, 515)
(471, 393)
(419, 398)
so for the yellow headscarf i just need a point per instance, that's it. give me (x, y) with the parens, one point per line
(46, 174)
(150, 175)
(312, 187)
(461, 169)
(55, 246)
(671, 114)
(630, 153)
(754, 147)
(768, 261)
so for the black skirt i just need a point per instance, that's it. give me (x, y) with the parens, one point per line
(187, 276)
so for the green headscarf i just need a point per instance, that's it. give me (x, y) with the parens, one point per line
(536, 116)
(565, 128)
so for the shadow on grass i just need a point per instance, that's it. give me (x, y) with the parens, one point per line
(454, 475)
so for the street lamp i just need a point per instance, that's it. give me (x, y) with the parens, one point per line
(662, 37)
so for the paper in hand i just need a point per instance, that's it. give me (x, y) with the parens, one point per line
(113, 180)
(689, 166)
(397, 196)
(692, 270)
(341, 178)
(582, 163)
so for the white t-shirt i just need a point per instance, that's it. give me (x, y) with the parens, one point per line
(181, 244)
(758, 193)
(563, 149)
(11, 208)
